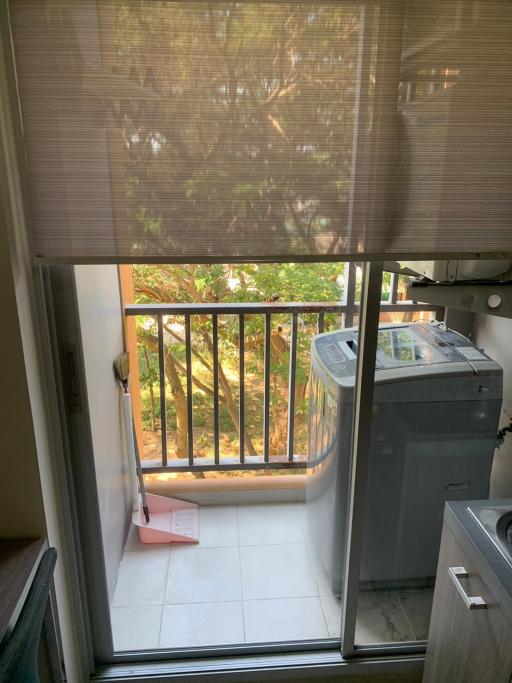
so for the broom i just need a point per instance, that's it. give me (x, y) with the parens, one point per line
(122, 372)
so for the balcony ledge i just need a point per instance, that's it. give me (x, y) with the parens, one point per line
(264, 489)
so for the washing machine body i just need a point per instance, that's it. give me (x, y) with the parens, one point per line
(436, 409)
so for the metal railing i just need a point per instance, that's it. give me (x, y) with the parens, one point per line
(349, 309)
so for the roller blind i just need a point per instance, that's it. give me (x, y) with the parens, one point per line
(197, 131)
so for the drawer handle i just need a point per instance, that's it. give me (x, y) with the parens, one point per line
(471, 602)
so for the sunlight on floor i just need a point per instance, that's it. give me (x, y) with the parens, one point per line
(253, 578)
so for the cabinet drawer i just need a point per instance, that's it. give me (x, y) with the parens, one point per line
(469, 637)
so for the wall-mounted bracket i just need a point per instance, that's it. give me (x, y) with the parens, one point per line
(491, 298)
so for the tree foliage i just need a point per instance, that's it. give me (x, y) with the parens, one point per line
(239, 283)
(246, 132)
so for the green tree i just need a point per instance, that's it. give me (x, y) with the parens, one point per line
(240, 283)
(245, 135)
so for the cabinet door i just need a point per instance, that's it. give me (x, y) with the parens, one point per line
(465, 646)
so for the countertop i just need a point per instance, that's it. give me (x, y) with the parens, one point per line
(19, 559)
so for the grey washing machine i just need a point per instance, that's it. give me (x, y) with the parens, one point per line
(437, 403)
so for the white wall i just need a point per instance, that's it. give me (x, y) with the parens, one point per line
(101, 326)
(494, 335)
(20, 486)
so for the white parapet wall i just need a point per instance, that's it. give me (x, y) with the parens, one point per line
(101, 324)
(231, 490)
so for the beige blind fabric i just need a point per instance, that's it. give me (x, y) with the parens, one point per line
(201, 131)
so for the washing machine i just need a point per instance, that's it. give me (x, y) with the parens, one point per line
(436, 409)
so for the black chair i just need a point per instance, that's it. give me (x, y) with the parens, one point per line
(19, 654)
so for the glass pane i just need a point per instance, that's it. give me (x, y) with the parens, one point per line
(436, 409)
(269, 565)
(406, 346)
(255, 575)
(333, 362)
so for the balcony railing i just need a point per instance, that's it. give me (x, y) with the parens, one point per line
(218, 462)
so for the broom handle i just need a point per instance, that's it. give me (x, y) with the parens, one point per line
(145, 508)
(131, 440)
(130, 444)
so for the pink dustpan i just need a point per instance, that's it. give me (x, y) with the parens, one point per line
(170, 521)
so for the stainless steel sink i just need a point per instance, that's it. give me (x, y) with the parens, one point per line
(496, 521)
(504, 531)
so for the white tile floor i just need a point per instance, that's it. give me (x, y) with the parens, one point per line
(253, 578)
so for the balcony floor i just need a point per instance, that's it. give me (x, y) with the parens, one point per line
(252, 578)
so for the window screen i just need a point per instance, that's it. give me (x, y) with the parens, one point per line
(200, 131)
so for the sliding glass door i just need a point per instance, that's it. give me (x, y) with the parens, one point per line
(397, 424)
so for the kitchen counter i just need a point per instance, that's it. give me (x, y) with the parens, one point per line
(492, 566)
(471, 622)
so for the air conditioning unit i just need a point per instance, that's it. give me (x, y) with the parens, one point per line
(456, 271)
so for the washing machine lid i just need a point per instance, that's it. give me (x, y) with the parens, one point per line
(410, 345)
(420, 344)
